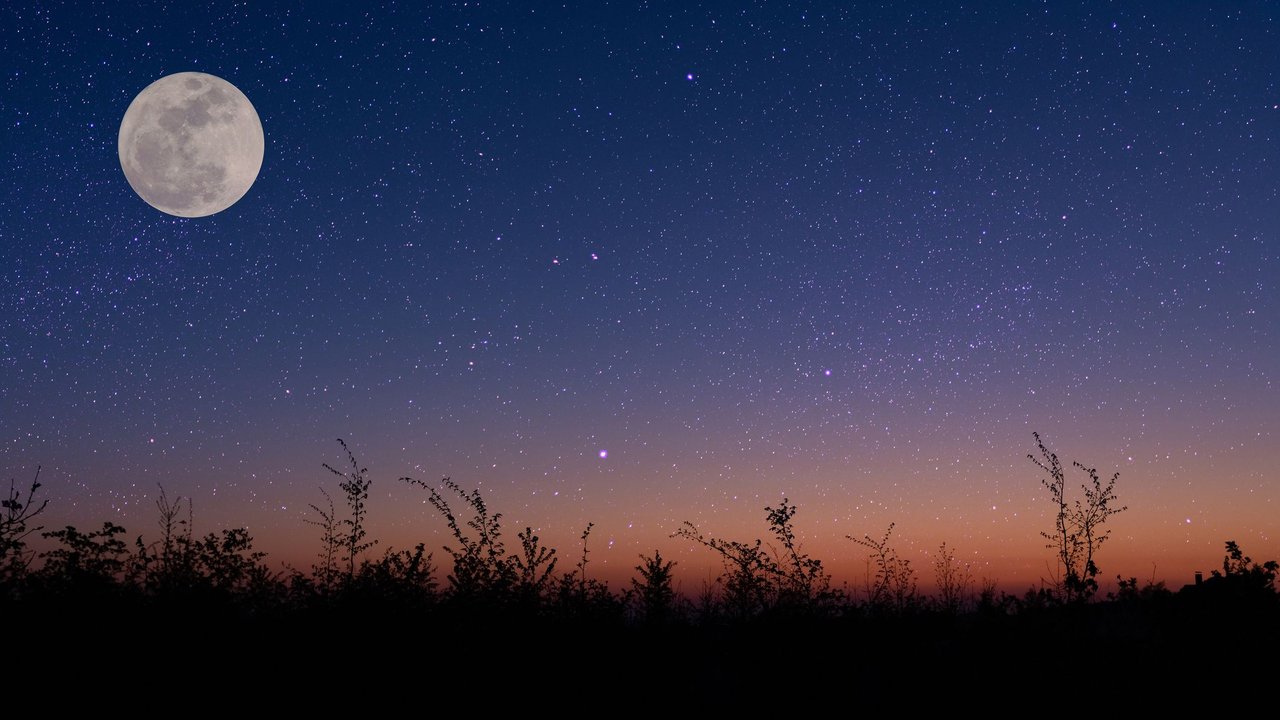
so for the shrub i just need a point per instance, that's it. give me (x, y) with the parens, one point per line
(892, 587)
(1078, 531)
(16, 511)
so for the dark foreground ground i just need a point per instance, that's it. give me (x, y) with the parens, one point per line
(146, 658)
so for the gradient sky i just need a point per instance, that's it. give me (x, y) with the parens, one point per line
(640, 263)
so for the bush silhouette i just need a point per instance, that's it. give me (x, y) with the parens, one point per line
(759, 579)
(1242, 577)
(325, 572)
(953, 580)
(652, 591)
(1078, 531)
(403, 578)
(892, 587)
(355, 486)
(772, 606)
(578, 597)
(481, 566)
(16, 512)
(85, 562)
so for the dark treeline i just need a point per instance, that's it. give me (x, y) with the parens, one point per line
(512, 611)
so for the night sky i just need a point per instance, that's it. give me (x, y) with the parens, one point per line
(641, 263)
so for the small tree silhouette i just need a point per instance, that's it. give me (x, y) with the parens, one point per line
(175, 533)
(179, 567)
(168, 564)
(579, 598)
(749, 572)
(403, 576)
(481, 567)
(15, 512)
(1128, 591)
(582, 564)
(86, 561)
(227, 563)
(991, 601)
(1245, 575)
(325, 572)
(533, 567)
(953, 579)
(356, 488)
(1078, 526)
(802, 580)
(893, 587)
(653, 590)
(757, 579)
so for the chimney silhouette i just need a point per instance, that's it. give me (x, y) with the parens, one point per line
(1199, 577)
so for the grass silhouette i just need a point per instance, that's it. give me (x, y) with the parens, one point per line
(509, 618)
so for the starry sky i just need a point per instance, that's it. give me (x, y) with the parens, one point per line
(641, 263)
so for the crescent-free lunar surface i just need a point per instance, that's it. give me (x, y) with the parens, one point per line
(191, 144)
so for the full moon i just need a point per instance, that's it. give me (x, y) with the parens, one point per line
(191, 144)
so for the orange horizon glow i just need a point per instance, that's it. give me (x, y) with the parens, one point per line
(1170, 531)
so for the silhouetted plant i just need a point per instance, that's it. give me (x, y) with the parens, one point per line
(175, 531)
(227, 562)
(577, 597)
(86, 560)
(356, 488)
(221, 575)
(990, 600)
(582, 564)
(892, 587)
(572, 586)
(220, 565)
(533, 567)
(405, 576)
(802, 581)
(1245, 575)
(953, 579)
(749, 579)
(1038, 598)
(707, 606)
(325, 572)
(16, 511)
(481, 566)
(1128, 591)
(1078, 525)
(757, 579)
(652, 590)
(139, 565)
(168, 566)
